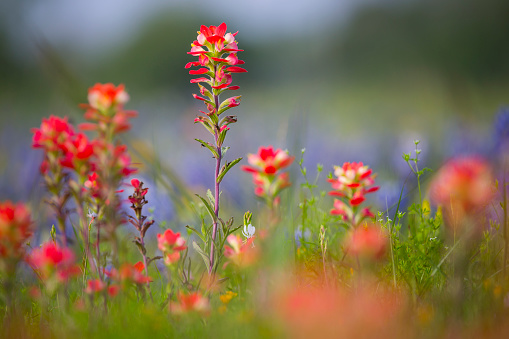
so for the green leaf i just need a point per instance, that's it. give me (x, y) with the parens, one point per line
(211, 197)
(227, 168)
(202, 254)
(224, 149)
(209, 146)
(208, 207)
(195, 231)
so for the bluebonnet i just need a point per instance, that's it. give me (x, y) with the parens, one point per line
(501, 131)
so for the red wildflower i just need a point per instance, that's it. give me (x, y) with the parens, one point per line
(368, 241)
(193, 302)
(133, 273)
(129, 273)
(265, 167)
(78, 151)
(242, 254)
(268, 160)
(15, 229)
(53, 134)
(53, 261)
(171, 244)
(93, 185)
(95, 286)
(106, 96)
(113, 290)
(352, 183)
(463, 186)
(217, 56)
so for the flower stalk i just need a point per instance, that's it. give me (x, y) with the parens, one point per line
(217, 58)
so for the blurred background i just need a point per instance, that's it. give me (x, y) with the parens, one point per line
(349, 80)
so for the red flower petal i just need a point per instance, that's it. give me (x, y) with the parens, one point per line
(194, 81)
(199, 97)
(197, 52)
(219, 59)
(270, 169)
(249, 169)
(135, 183)
(202, 70)
(372, 189)
(235, 69)
(205, 30)
(221, 29)
(139, 266)
(357, 200)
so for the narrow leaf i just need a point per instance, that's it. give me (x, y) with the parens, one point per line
(202, 254)
(209, 146)
(195, 231)
(209, 208)
(211, 197)
(227, 168)
(224, 149)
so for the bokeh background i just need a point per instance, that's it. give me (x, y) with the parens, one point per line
(349, 80)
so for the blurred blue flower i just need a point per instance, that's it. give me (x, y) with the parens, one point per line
(501, 131)
(299, 236)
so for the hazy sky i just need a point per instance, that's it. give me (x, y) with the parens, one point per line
(95, 23)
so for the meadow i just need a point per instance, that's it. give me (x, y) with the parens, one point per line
(315, 256)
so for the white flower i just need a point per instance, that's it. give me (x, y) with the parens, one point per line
(91, 214)
(249, 231)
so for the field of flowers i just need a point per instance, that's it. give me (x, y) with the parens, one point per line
(304, 262)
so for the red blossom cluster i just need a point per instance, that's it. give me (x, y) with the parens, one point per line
(89, 170)
(53, 262)
(266, 169)
(115, 164)
(137, 199)
(241, 253)
(188, 303)
(463, 186)
(129, 273)
(15, 230)
(96, 286)
(367, 241)
(97, 159)
(105, 109)
(171, 244)
(62, 146)
(217, 56)
(120, 279)
(352, 183)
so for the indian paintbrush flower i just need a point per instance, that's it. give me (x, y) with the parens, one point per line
(137, 200)
(192, 302)
(463, 187)
(217, 60)
(15, 230)
(353, 181)
(367, 241)
(171, 244)
(239, 252)
(265, 167)
(55, 264)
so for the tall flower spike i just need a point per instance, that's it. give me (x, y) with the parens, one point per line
(217, 60)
